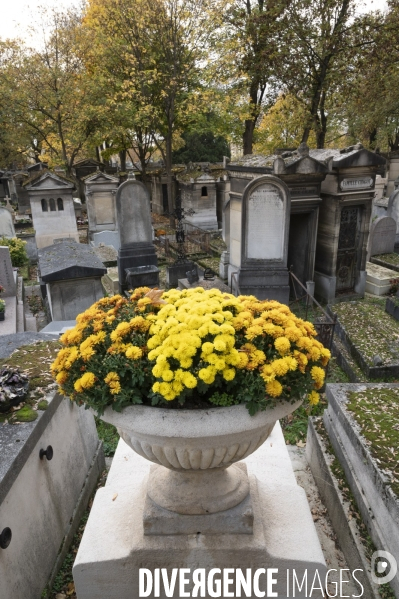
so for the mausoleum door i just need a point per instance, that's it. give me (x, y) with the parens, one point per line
(165, 204)
(347, 249)
(298, 247)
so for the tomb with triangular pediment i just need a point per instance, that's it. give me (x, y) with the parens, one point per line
(100, 190)
(51, 201)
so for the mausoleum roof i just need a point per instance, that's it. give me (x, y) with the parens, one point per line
(352, 156)
(47, 180)
(99, 176)
(88, 162)
(328, 157)
(69, 260)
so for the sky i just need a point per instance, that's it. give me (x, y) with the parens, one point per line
(16, 15)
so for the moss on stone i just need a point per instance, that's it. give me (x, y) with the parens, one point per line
(371, 330)
(376, 410)
(389, 258)
(25, 414)
(35, 360)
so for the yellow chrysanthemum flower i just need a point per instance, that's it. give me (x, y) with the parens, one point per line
(85, 382)
(267, 373)
(313, 398)
(229, 374)
(274, 388)
(61, 377)
(318, 376)
(133, 352)
(282, 345)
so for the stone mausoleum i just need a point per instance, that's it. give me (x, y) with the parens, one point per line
(53, 213)
(331, 193)
(199, 198)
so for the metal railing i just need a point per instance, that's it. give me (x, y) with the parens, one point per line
(324, 324)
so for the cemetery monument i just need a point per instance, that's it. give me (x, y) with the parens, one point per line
(136, 252)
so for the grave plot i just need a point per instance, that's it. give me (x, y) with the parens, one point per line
(51, 459)
(362, 425)
(369, 336)
(343, 511)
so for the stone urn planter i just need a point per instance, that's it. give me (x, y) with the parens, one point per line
(196, 451)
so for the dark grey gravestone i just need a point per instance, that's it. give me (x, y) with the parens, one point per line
(382, 236)
(142, 276)
(135, 230)
(265, 214)
(176, 272)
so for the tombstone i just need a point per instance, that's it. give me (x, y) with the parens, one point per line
(198, 194)
(177, 271)
(382, 236)
(10, 209)
(6, 224)
(53, 213)
(72, 274)
(303, 174)
(100, 190)
(135, 230)
(259, 239)
(107, 238)
(7, 278)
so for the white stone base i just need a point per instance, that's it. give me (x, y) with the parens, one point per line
(114, 548)
(378, 279)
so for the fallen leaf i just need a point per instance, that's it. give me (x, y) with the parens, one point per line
(115, 496)
(155, 296)
(71, 588)
(300, 443)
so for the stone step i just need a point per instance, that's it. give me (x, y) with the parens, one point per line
(20, 322)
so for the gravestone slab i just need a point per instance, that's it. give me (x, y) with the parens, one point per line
(135, 229)
(264, 248)
(107, 238)
(7, 279)
(265, 224)
(142, 276)
(6, 224)
(382, 236)
(134, 213)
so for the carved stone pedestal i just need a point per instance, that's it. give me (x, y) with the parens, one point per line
(117, 542)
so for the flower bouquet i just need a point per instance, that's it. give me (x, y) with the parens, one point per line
(189, 349)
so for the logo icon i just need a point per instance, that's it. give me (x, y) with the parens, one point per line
(383, 567)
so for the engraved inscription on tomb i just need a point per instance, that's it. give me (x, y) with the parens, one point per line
(359, 183)
(265, 224)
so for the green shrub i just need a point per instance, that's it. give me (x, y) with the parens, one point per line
(18, 254)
